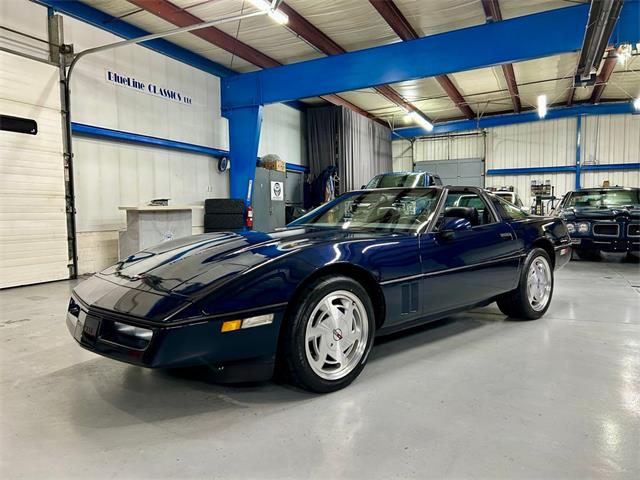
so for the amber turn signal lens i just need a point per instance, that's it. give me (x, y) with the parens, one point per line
(231, 325)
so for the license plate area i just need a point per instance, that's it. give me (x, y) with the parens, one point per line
(90, 328)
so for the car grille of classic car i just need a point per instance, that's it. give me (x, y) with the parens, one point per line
(606, 229)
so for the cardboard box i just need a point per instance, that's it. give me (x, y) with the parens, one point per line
(271, 164)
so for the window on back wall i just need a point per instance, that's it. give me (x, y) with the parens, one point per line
(18, 125)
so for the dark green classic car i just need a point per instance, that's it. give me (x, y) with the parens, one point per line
(602, 220)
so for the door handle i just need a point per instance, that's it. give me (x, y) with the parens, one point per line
(506, 236)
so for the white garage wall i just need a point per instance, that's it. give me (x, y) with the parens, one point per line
(402, 153)
(110, 174)
(283, 133)
(605, 139)
(452, 147)
(611, 139)
(26, 17)
(550, 143)
(98, 102)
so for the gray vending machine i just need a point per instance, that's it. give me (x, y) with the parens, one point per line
(268, 200)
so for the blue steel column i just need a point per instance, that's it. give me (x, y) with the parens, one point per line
(244, 136)
(578, 149)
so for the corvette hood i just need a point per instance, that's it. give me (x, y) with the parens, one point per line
(186, 266)
(604, 213)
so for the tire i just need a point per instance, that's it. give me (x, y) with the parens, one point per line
(517, 303)
(221, 222)
(633, 256)
(316, 331)
(224, 205)
(587, 254)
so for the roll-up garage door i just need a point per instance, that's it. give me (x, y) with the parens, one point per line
(467, 171)
(33, 229)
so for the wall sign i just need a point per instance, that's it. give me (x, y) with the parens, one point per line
(277, 191)
(150, 88)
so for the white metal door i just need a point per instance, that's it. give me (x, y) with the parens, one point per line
(468, 171)
(33, 226)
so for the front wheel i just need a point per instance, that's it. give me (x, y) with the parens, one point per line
(329, 334)
(531, 299)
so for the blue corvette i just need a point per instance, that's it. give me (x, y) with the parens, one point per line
(309, 299)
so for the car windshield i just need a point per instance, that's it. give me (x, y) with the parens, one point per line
(395, 180)
(603, 198)
(396, 210)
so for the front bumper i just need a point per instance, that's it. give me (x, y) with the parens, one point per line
(236, 356)
(606, 245)
(563, 255)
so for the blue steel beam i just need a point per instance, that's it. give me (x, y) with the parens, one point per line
(244, 137)
(550, 33)
(578, 149)
(513, 118)
(547, 33)
(563, 169)
(129, 137)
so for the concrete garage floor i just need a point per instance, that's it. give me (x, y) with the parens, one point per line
(471, 396)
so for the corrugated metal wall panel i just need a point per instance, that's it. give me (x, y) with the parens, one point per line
(449, 147)
(563, 182)
(611, 139)
(536, 144)
(402, 151)
(28, 18)
(33, 225)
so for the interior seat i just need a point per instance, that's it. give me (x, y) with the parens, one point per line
(469, 213)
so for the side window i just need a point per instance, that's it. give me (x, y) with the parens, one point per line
(477, 209)
(510, 210)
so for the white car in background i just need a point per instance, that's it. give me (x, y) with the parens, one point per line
(509, 196)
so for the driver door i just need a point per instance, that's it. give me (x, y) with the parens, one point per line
(472, 265)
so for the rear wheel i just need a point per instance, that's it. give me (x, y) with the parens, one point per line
(329, 335)
(531, 299)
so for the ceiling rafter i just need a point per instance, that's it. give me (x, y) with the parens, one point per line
(181, 18)
(390, 12)
(318, 39)
(493, 13)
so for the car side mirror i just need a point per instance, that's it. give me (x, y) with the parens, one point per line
(451, 225)
(363, 187)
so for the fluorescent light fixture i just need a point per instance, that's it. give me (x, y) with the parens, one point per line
(636, 104)
(261, 5)
(279, 17)
(542, 106)
(276, 15)
(421, 120)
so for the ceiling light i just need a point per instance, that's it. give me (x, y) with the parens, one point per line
(636, 104)
(624, 53)
(276, 15)
(279, 17)
(421, 120)
(542, 106)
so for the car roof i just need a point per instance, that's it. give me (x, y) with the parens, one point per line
(601, 189)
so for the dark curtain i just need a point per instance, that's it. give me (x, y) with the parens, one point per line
(360, 147)
(323, 130)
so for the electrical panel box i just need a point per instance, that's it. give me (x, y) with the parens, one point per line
(268, 200)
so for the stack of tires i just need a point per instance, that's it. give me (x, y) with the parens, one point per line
(221, 214)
